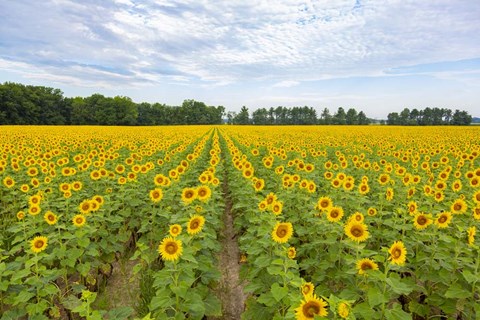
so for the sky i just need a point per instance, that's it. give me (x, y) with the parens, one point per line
(378, 56)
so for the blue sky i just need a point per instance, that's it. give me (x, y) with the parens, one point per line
(377, 56)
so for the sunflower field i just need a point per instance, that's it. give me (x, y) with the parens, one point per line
(331, 222)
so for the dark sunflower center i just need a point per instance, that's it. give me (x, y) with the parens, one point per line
(171, 248)
(397, 253)
(357, 231)
(51, 217)
(189, 195)
(324, 204)
(442, 219)
(334, 214)
(86, 206)
(422, 220)
(366, 266)
(202, 193)
(79, 220)
(310, 309)
(194, 224)
(39, 244)
(457, 206)
(282, 232)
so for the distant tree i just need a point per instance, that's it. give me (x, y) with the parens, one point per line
(340, 117)
(242, 117)
(393, 118)
(362, 118)
(404, 117)
(351, 117)
(325, 117)
(260, 116)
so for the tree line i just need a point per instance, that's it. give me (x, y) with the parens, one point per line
(297, 116)
(429, 117)
(36, 105)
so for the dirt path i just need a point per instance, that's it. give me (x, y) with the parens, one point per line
(230, 289)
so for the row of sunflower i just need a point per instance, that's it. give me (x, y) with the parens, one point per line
(383, 219)
(75, 200)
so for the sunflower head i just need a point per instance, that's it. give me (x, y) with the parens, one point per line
(398, 253)
(335, 214)
(188, 195)
(195, 224)
(50, 218)
(175, 230)
(170, 249)
(356, 231)
(282, 232)
(310, 307)
(38, 244)
(366, 264)
(443, 220)
(292, 252)
(307, 288)
(79, 220)
(204, 193)
(421, 221)
(156, 195)
(324, 203)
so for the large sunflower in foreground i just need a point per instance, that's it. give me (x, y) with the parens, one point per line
(311, 306)
(282, 232)
(398, 253)
(38, 244)
(170, 249)
(195, 224)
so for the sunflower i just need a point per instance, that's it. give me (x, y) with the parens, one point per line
(356, 231)
(335, 214)
(94, 206)
(443, 220)
(398, 253)
(348, 185)
(50, 218)
(262, 205)
(471, 235)
(307, 288)
(457, 185)
(76, 186)
(170, 249)
(38, 244)
(458, 206)
(439, 196)
(357, 216)
(365, 264)
(175, 230)
(311, 187)
(412, 207)
(372, 212)
(79, 220)
(195, 224)
(98, 199)
(204, 193)
(476, 213)
(188, 195)
(310, 307)
(292, 252)
(421, 221)
(277, 207)
(25, 188)
(20, 215)
(324, 203)
(85, 207)
(475, 182)
(282, 232)
(259, 185)
(389, 194)
(271, 197)
(156, 195)
(34, 209)
(343, 310)
(476, 197)
(383, 179)
(8, 182)
(363, 188)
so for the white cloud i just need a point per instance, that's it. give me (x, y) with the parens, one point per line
(286, 84)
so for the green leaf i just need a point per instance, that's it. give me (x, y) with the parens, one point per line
(365, 311)
(84, 268)
(267, 299)
(456, 292)
(23, 297)
(398, 286)
(469, 276)
(162, 300)
(375, 297)
(278, 292)
(120, 313)
(36, 308)
(275, 270)
(213, 306)
(397, 313)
